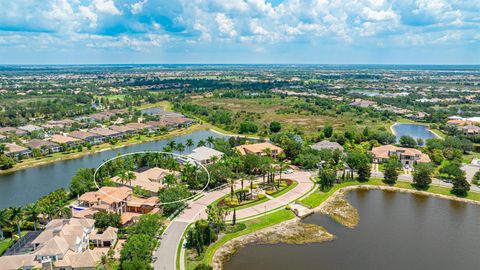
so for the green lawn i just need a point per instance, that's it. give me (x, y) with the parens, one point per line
(5, 244)
(317, 197)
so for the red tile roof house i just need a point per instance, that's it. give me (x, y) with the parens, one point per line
(115, 199)
(87, 136)
(407, 156)
(44, 146)
(107, 133)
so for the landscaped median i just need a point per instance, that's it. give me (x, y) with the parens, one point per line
(233, 202)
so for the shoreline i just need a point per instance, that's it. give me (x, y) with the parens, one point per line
(226, 251)
(172, 134)
(419, 124)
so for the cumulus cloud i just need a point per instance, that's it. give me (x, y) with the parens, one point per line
(152, 23)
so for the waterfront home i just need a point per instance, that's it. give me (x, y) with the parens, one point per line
(259, 149)
(327, 145)
(112, 199)
(205, 155)
(172, 122)
(150, 179)
(470, 130)
(44, 146)
(12, 130)
(141, 127)
(123, 130)
(14, 150)
(119, 200)
(107, 133)
(64, 244)
(30, 128)
(87, 136)
(68, 141)
(407, 156)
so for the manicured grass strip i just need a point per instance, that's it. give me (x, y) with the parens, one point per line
(317, 197)
(285, 190)
(179, 248)
(5, 244)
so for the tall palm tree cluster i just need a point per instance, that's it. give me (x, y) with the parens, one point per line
(14, 219)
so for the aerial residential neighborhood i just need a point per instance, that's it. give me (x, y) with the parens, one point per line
(239, 135)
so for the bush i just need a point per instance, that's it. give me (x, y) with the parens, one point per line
(270, 192)
(261, 196)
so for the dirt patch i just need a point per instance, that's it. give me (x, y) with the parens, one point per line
(290, 232)
(339, 209)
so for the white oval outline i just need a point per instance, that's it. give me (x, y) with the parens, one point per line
(153, 151)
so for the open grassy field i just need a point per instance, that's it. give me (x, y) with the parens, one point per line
(290, 111)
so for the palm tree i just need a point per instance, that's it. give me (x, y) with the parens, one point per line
(169, 179)
(32, 211)
(123, 177)
(201, 143)
(130, 176)
(210, 140)
(4, 221)
(180, 147)
(48, 211)
(61, 211)
(190, 143)
(172, 144)
(16, 215)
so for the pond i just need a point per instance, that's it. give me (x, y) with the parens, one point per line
(25, 186)
(413, 130)
(396, 231)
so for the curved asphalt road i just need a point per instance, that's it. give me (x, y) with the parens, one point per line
(167, 252)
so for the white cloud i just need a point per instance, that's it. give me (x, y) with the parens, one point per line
(138, 6)
(225, 25)
(106, 6)
(381, 15)
(89, 15)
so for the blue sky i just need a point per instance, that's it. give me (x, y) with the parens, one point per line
(240, 31)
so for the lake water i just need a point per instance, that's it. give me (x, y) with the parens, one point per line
(413, 130)
(25, 186)
(396, 231)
